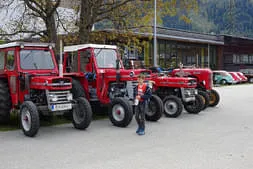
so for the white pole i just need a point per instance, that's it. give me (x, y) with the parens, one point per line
(155, 48)
(208, 59)
(60, 62)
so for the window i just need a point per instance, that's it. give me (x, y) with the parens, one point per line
(84, 59)
(36, 59)
(242, 59)
(72, 62)
(106, 58)
(10, 60)
(1, 60)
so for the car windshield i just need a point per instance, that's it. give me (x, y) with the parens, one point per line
(106, 58)
(36, 59)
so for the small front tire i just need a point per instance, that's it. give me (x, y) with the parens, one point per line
(82, 114)
(172, 106)
(194, 107)
(29, 119)
(155, 109)
(214, 98)
(206, 99)
(120, 112)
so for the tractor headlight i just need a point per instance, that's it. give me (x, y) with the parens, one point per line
(53, 98)
(69, 96)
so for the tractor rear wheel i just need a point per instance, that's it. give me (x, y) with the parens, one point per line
(82, 114)
(194, 107)
(173, 106)
(5, 102)
(206, 99)
(214, 98)
(120, 112)
(155, 109)
(29, 118)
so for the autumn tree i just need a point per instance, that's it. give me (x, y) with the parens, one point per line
(129, 14)
(33, 18)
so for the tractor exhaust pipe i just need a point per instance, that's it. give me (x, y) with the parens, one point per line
(60, 62)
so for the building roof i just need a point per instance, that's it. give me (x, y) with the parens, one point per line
(14, 44)
(83, 46)
(186, 36)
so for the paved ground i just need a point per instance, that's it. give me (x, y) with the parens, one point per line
(218, 138)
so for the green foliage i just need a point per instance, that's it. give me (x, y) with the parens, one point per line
(218, 16)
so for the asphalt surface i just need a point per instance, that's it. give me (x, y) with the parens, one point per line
(217, 138)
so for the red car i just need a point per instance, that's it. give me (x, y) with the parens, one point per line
(235, 76)
(243, 78)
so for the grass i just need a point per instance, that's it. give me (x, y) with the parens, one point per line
(14, 123)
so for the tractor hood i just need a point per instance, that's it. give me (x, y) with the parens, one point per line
(177, 82)
(50, 83)
(125, 74)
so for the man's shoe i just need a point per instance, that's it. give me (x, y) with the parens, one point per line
(141, 132)
(138, 130)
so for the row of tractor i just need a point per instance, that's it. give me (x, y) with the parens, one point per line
(91, 78)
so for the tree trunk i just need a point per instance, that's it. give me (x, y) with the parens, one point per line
(86, 22)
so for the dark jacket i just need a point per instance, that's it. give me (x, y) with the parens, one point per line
(147, 94)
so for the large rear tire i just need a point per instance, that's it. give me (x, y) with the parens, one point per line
(5, 102)
(173, 106)
(29, 118)
(214, 98)
(155, 109)
(82, 114)
(194, 107)
(120, 112)
(206, 99)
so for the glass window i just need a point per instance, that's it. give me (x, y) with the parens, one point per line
(84, 59)
(10, 60)
(106, 58)
(1, 60)
(72, 62)
(36, 59)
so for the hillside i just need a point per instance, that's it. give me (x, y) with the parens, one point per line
(219, 17)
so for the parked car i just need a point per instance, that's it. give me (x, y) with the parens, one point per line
(236, 78)
(241, 75)
(248, 73)
(222, 77)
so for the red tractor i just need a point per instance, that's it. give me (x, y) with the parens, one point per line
(98, 74)
(29, 81)
(204, 78)
(176, 93)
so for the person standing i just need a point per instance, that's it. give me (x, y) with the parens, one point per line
(142, 95)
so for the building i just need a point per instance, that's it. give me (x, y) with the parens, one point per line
(222, 52)
(237, 53)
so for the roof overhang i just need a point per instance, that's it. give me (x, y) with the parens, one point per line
(83, 46)
(15, 44)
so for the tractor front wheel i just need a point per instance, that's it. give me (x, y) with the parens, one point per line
(173, 106)
(205, 97)
(82, 114)
(214, 98)
(155, 109)
(194, 107)
(29, 118)
(120, 112)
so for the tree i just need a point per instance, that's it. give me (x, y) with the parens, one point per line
(128, 14)
(37, 19)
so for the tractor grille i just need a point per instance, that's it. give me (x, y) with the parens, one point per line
(57, 97)
(61, 81)
(188, 94)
